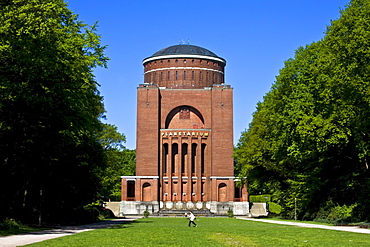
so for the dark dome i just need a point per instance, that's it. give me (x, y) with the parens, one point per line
(184, 50)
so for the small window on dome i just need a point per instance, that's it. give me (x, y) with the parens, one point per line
(176, 60)
(184, 60)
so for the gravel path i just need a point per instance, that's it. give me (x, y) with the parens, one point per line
(33, 237)
(292, 223)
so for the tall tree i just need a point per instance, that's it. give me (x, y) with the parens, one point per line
(310, 135)
(120, 162)
(49, 110)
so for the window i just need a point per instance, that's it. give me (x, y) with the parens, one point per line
(168, 75)
(177, 75)
(192, 75)
(184, 75)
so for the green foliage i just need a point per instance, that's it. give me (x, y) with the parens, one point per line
(334, 213)
(230, 213)
(96, 212)
(308, 142)
(10, 224)
(50, 109)
(120, 162)
(146, 213)
(260, 198)
(274, 208)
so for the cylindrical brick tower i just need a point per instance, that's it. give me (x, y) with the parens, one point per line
(184, 141)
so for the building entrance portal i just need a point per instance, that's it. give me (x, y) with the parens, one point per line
(184, 136)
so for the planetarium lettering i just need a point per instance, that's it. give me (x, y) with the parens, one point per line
(194, 134)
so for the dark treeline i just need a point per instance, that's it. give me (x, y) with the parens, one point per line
(309, 138)
(50, 111)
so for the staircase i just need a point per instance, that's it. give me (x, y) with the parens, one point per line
(258, 209)
(183, 212)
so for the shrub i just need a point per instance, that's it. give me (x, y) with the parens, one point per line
(260, 198)
(10, 224)
(274, 208)
(341, 214)
(146, 213)
(230, 213)
(332, 213)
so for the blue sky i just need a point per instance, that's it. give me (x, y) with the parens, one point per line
(255, 38)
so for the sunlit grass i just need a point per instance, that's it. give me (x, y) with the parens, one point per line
(210, 232)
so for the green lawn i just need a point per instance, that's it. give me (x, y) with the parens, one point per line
(210, 232)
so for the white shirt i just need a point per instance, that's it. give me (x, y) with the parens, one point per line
(191, 217)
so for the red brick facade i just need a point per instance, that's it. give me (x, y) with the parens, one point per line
(184, 132)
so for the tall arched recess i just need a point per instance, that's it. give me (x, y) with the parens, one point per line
(184, 117)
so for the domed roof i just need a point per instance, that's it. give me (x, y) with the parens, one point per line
(184, 50)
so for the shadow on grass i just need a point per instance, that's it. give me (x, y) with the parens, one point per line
(129, 224)
(112, 224)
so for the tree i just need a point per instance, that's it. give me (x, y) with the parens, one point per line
(310, 135)
(120, 162)
(50, 109)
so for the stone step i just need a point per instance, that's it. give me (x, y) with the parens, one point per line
(180, 212)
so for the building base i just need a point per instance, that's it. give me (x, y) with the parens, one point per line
(154, 207)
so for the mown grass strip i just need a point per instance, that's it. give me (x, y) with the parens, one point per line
(210, 232)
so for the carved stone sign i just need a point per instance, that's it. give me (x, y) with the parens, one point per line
(185, 133)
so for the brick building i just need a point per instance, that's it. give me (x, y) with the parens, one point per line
(184, 136)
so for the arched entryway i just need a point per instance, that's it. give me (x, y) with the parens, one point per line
(146, 192)
(222, 192)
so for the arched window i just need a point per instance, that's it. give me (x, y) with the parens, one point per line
(184, 157)
(193, 157)
(202, 158)
(174, 158)
(164, 158)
